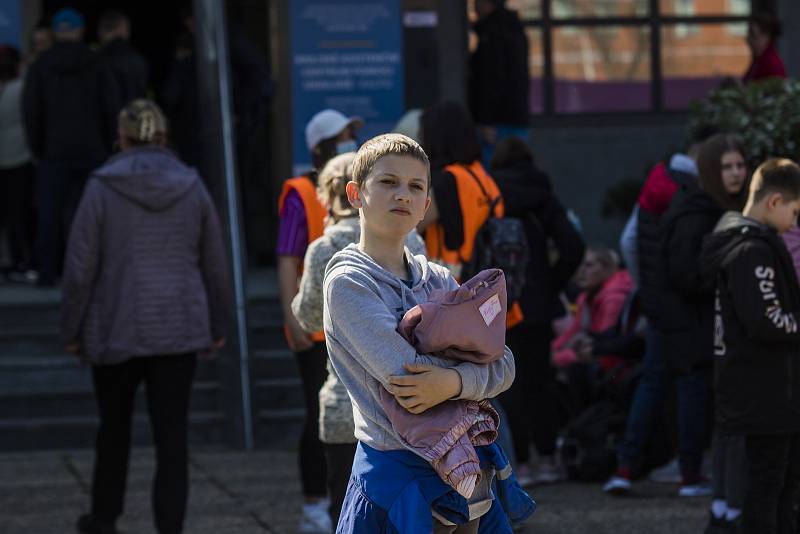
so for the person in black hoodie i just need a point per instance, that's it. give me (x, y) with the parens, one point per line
(685, 314)
(127, 65)
(682, 315)
(70, 106)
(756, 342)
(528, 195)
(498, 74)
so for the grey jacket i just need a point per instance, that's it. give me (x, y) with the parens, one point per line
(145, 270)
(362, 308)
(335, 409)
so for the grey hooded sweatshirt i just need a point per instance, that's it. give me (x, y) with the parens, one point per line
(363, 304)
(145, 272)
(335, 410)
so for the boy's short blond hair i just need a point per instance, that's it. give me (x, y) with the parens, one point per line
(392, 144)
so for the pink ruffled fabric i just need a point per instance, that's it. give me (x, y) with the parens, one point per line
(453, 325)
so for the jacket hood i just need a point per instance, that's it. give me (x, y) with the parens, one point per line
(524, 186)
(66, 56)
(731, 230)
(689, 201)
(662, 183)
(344, 232)
(152, 177)
(352, 257)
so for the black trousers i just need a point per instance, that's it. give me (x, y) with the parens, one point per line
(168, 382)
(532, 401)
(339, 463)
(313, 372)
(59, 187)
(16, 191)
(773, 470)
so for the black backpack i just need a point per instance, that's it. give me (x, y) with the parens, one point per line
(501, 243)
(588, 446)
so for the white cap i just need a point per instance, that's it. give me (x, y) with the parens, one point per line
(326, 124)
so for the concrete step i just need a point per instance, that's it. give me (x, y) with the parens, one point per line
(279, 428)
(40, 433)
(79, 401)
(273, 363)
(286, 393)
(52, 373)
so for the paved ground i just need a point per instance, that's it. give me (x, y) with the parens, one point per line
(258, 492)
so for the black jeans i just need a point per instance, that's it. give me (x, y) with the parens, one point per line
(59, 187)
(531, 402)
(339, 463)
(773, 470)
(16, 190)
(168, 380)
(313, 372)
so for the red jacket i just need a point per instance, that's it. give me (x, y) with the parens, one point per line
(767, 65)
(596, 315)
(657, 190)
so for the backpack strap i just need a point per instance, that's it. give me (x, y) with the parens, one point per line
(493, 202)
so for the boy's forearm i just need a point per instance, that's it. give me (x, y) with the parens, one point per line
(480, 382)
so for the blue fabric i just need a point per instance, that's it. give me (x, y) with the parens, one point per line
(503, 131)
(394, 492)
(647, 401)
(692, 392)
(67, 19)
(514, 502)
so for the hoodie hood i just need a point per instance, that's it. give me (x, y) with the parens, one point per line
(731, 230)
(681, 163)
(344, 232)
(524, 187)
(152, 177)
(352, 257)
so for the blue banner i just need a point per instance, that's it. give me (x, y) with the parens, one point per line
(347, 56)
(11, 23)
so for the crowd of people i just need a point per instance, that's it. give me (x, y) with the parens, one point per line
(58, 122)
(635, 330)
(436, 385)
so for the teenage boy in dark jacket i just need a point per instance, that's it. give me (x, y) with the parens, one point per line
(756, 343)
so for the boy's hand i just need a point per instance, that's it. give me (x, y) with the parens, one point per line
(426, 387)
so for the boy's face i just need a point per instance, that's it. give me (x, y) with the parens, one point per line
(781, 214)
(394, 197)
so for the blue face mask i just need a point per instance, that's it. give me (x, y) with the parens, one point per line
(346, 146)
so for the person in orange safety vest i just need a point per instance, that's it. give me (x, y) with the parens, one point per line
(302, 220)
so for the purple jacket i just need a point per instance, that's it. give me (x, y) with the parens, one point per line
(464, 324)
(145, 271)
(792, 239)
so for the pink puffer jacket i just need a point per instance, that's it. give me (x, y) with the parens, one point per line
(466, 324)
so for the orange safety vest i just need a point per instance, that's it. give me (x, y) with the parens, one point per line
(474, 212)
(315, 216)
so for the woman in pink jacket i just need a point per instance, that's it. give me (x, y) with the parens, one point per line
(602, 335)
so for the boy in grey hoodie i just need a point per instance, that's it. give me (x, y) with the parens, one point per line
(368, 288)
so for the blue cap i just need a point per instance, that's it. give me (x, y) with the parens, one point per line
(67, 19)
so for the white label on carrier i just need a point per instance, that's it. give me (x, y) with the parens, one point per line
(491, 309)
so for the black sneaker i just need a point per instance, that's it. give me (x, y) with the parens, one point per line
(720, 525)
(87, 524)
